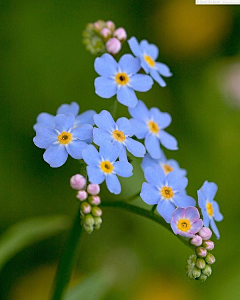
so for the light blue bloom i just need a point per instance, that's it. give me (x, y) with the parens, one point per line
(118, 133)
(167, 191)
(148, 53)
(150, 125)
(168, 165)
(102, 166)
(47, 120)
(62, 140)
(209, 206)
(120, 78)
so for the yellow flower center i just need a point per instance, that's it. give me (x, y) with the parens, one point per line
(122, 78)
(64, 138)
(209, 209)
(149, 60)
(153, 127)
(106, 167)
(167, 192)
(118, 135)
(184, 225)
(167, 168)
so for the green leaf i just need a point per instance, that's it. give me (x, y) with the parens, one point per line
(28, 232)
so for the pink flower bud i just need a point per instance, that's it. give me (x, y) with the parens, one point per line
(113, 46)
(94, 200)
(209, 245)
(99, 25)
(110, 25)
(93, 189)
(201, 252)
(77, 182)
(96, 211)
(82, 195)
(120, 34)
(85, 208)
(106, 33)
(205, 233)
(196, 240)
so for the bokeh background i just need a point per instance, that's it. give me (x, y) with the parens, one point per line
(44, 64)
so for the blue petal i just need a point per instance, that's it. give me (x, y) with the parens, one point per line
(109, 151)
(140, 128)
(85, 118)
(153, 146)
(64, 122)
(148, 161)
(129, 64)
(165, 208)
(139, 112)
(44, 120)
(155, 176)
(206, 220)
(215, 229)
(155, 75)
(217, 215)
(163, 119)
(136, 148)
(95, 175)
(83, 132)
(201, 199)
(134, 46)
(145, 65)
(123, 168)
(56, 155)
(100, 136)
(125, 126)
(141, 82)
(122, 153)
(150, 194)
(177, 183)
(183, 200)
(75, 149)
(210, 190)
(168, 141)
(113, 184)
(45, 137)
(104, 120)
(72, 108)
(174, 164)
(192, 214)
(106, 65)
(149, 49)
(91, 156)
(163, 69)
(127, 96)
(105, 87)
(178, 214)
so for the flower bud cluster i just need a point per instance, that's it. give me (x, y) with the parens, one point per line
(101, 37)
(90, 212)
(199, 264)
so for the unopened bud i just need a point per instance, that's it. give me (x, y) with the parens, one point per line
(82, 195)
(113, 46)
(209, 245)
(93, 189)
(205, 233)
(96, 211)
(77, 182)
(202, 278)
(94, 200)
(85, 207)
(88, 229)
(120, 33)
(210, 259)
(98, 26)
(110, 25)
(201, 252)
(196, 272)
(196, 240)
(98, 222)
(207, 270)
(89, 220)
(200, 263)
(106, 33)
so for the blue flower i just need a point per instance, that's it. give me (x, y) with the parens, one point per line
(120, 78)
(149, 124)
(64, 139)
(118, 133)
(167, 191)
(102, 166)
(47, 120)
(148, 53)
(168, 165)
(209, 207)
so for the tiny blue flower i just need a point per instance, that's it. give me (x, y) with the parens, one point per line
(148, 53)
(118, 133)
(167, 191)
(62, 140)
(168, 165)
(102, 166)
(209, 207)
(120, 78)
(47, 120)
(149, 124)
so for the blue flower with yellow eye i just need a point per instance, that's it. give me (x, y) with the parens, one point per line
(120, 78)
(119, 133)
(62, 140)
(102, 166)
(148, 53)
(150, 125)
(209, 206)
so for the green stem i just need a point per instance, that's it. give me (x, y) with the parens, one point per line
(67, 260)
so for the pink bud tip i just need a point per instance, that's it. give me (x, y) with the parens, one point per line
(110, 25)
(82, 195)
(97, 25)
(200, 251)
(120, 34)
(94, 200)
(93, 189)
(209, 245)
(205, 233)
(77, 182)
(196, 241)
(113, 46)
(106, 33)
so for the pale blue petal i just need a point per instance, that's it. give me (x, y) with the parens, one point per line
(140, 128)
(123, 168)
(129, 64)
(153, 146)
(127, 96)
(168, 141)
(125, 126)
(136, 148)
(141, 82)
(145, 65)
(95, 175)
(201, 199)
(44, 120)
(106, 65)
(163, 69)
(109, 151)
(206, 220)
(175, 182)
(196, 226)
(215, 229)
(113, 184)
(134, 46)
(122, 153)
(105, 87)
(45, 137)
(56, 155)
(104, 120)
(165, 208)
(149, 49)
(91, 156)
(183, 200)
(155, 176)
(178, 214)
(148, 161)
(64, 122)
(150, 194)
(75, 149)
(100, 136)
(139, 112)
(163, 119)
(155, 75)
(217, 215)
(192, 214)
(72, 108)
(85, 118)
(210, 190)
(174, 164)
(83, 132)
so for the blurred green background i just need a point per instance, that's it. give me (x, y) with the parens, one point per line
(44, 64)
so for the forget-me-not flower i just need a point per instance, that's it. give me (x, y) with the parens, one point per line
(209, 206)
(102, 166)
(64, 139)
(148, 53)
(150, 125)
(120, 78)
(167, 191)
(119, 133)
